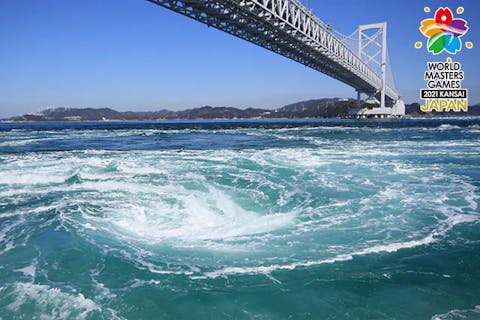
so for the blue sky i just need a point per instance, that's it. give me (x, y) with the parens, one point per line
(134, 55)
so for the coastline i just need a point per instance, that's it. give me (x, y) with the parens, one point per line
(407, 117)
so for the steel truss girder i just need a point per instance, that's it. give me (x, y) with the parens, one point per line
(289, 29)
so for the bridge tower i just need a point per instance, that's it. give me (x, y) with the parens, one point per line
(372, 50)
(379, 54)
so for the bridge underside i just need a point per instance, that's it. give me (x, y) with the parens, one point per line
(252, 22)
(286, 27)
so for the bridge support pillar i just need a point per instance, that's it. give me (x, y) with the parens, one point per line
(368, 50)
(384, 64)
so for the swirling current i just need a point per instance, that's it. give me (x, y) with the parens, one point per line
(307, 219)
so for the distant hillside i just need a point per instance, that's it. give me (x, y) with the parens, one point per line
(306, 109)
(89, 114)
(318, 108)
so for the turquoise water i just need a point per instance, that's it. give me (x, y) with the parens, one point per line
(240, 220)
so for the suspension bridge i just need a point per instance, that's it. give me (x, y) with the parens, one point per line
(288, 28)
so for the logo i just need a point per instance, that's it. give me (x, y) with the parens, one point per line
(444, 32)
(444, 92)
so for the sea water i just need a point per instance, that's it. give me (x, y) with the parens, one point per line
(308, 219)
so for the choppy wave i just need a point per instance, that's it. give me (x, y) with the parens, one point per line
(45, 302)
(239, 202)
(473, 313)
(198, 207)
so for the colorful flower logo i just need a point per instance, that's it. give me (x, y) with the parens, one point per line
(444, 32)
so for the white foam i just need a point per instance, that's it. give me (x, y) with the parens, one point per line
(197, 216)
(269, 269)
(30, 177)
(49, 303)
(27, 211)
(140, 283)
(443, 127)
(28, 271)
(8, 235)
(473, 313)
(389, 248)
